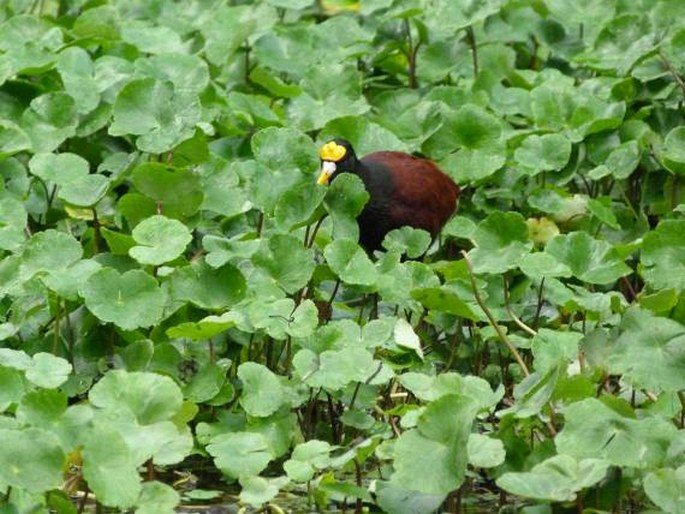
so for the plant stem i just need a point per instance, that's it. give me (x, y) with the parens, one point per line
(260, 223)
(516, 319)
(538, 310)
(55, 328)
(312, 236)
(672, 71)
(97, 234)
(500, 333)
(411, 56)
(358, 473)
(471, 39)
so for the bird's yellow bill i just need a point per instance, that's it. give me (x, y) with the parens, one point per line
(327, 170)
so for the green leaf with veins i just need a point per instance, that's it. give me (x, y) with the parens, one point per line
(207, 287)
(432, 458)
(159, 239)
(262, 393)
(650, 352)
(593, 430)
(162, 116)
(239, 454)
(109, 467)
(33, 459)
(347, 259)
(589, 259)
(557, 479)
(663, 255)
(501, 241)
(129, 300)
(549, 152)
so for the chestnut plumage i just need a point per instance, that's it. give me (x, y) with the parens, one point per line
(404, 190)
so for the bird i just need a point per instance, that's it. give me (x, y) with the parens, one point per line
(404, 190)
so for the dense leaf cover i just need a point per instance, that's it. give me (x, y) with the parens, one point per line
(169, 267)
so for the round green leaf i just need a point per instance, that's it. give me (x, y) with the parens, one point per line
(207, 287)
(110, 468)
(239, 454)
(432, 459)
(484, 451)
(280, 318)
(501, 242)
(205, 384)
(76, 70)
(160, 240)
(673, 152)
(150, 397)
(131, 300)
(151, 39)
(13, 219)
(153, 110)
(297, 206)
(42, 407)
(61, 168)
(285, 259)
(663, 255)
(50, 119)
(48, 370)
(557, 479)
(365, 136)
(665, 488)
(306, 458)
(12, 139)
(414, 242)
(50, 251)
(553, 347)
(188, 73)
(344, 200)
(350, 262)
(475, 128)
(474, 164)
(334, 369)
(86, 191)
(285, 149)
(13, 387)
(66, 282)
(429, 388)
(620, 163)
(98, 22)
(549, 152)
(258, 490)
(162, 184)
(648, 352)
(204, 329)
(399, 499)
(593, 430)
(226, 29)
(540, 264)
(589, 259)
(622, 42)
(442, 299)
(330, 91)
(262, 393)
(157, 498)
(33, 460)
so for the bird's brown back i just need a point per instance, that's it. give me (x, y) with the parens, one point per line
(423, 195)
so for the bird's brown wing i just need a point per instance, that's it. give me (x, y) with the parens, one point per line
(423, 196)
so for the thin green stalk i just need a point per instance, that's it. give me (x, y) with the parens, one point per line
(500, 333)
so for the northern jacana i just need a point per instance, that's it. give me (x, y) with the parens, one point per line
(404, 190)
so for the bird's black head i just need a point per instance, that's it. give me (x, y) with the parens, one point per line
(337, 156)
